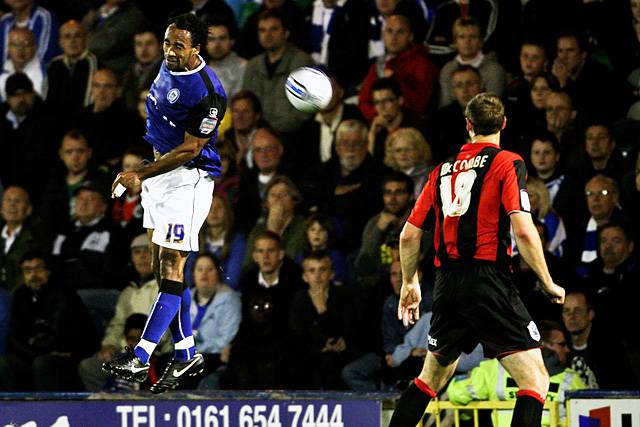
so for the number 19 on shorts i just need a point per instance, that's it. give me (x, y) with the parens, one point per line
(175, 233)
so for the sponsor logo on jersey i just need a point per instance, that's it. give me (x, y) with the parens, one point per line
(213, 112)
(173, 95)
(207, 125)
(432, 341)
(533, 331)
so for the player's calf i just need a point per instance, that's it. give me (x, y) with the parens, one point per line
(412, 404)
(528, 409)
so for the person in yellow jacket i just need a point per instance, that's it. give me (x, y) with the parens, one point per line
(490, 381)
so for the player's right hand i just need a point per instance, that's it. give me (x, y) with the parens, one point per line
(128, 179)
(409, 305)
(554, 292)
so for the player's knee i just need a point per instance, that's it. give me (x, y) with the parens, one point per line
(443, 360)
(437, 370)
(544, 381)
(538, 382)
(170, 265)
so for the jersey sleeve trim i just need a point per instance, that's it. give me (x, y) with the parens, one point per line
(205, 117)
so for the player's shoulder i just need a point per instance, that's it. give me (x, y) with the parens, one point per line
(202, 80)
(506, 156)
(189, 85)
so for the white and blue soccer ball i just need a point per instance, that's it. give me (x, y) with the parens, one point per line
(308, 89)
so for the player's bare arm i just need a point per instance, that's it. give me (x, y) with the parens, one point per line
(185, 152)
(410, 296)
(530, 247)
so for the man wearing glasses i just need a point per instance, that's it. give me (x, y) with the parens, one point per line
(390, 114)
(602, 195)
(596, 352)
(397, 198)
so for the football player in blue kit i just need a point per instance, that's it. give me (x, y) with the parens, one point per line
(185, 104)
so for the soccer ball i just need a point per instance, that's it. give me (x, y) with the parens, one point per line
(308, 89)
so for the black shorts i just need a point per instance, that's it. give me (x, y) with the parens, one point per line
(477, 303)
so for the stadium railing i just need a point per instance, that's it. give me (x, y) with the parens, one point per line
(437, 406)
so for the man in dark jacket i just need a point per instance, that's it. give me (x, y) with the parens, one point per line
(49, 331)
(91, 254)
(17, 235)
(24, 123)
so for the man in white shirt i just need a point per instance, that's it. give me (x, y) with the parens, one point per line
(468, 42)
(22, 58)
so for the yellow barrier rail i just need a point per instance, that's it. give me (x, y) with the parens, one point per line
(436, 407)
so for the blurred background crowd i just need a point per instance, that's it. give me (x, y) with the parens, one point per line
(297, 279)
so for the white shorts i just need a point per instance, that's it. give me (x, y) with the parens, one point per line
(176, 204)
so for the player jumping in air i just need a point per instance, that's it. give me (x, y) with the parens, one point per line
(185, 104)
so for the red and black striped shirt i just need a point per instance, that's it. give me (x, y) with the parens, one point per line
(469, 198)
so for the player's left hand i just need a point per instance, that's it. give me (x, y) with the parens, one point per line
(409, 305)
(128, 179)
(554, 292)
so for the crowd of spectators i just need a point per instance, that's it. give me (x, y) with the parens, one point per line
(297, 278)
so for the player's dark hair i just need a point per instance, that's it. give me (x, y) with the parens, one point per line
(229, 24)
(135, 321)
(246, 94)
(547, 136)
(36, 254)
(486, 113)
(387, 83)
(274, 14)
(396, 176)
(191, 23)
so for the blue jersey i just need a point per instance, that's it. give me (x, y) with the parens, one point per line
(186, 101)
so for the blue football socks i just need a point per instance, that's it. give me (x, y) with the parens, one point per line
(180, 327)
(162, 313)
